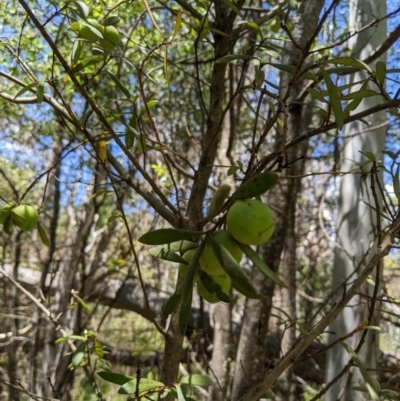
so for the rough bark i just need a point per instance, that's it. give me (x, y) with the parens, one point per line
(356, 225)
(251, 365)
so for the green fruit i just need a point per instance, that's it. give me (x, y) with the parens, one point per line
(86, 33)
(109, 35)
(188, 256)
(250, 222)
(209, 261)
(111, 38)
(4, 213)
(25, 217)
(224, 283)
(275, 25)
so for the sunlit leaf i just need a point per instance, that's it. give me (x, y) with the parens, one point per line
(197, 380)
(78, 355)
(82, 8)
(87, 62)
(144, 386)
(25, 89)
(177, 23)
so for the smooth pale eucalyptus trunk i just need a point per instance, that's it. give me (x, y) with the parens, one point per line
(356, 223)
(222, 313)
(251, 365)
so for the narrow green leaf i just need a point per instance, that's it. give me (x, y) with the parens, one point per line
(40, 91)
(76, 52)
(82, 9)
(239, 279)
(335, 99)
(8, 224)
(369, 154)
(129, 138)
(166, 254)
(291, 69)
(351, 62)
(232, 170)
(87, 63)
(256, 185)
(261, 265)
(145, 385)
(167, 235)
(82, 302)
(187, 286)
(42, 234)
(119, 84)
(165, 64)
(396, 183)
(98, 349)
(111, 20)
(316, 95)
(150, 105)
(197, 380)
(181, 246)
(232, 57)
(171, 305)
(233, 6)
(79, 354)
(361, 94)
(184, 314)
(217, 200)
(380, 72)
(252, 25)
(179, 393)
(115, 378)
(177, 23)
(26, 88)
(141, 145)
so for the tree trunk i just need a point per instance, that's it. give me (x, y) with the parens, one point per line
(356, 223)
(251, 363)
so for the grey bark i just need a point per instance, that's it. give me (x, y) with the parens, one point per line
(356, 225)
(251, 365)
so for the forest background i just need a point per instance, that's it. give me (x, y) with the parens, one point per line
(113, 137)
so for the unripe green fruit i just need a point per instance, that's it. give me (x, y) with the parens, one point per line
(275, 25)
(4, 213)
(25, 217)
(250, 222)
(111, 38)
(110, 34)
(209, 261)
(224, 283)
